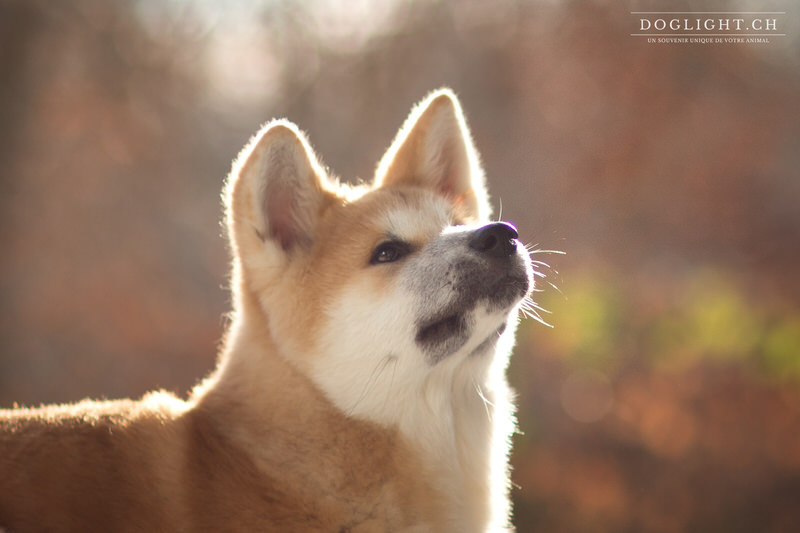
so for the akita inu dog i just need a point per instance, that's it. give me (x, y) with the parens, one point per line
(361, 386)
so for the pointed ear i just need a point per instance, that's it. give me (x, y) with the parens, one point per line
(434, 150)
(276, 190)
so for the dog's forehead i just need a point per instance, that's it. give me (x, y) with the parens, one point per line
(419, 219)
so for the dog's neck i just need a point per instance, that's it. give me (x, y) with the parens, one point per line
(450, 422)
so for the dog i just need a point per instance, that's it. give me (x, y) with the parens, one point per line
(361, 385)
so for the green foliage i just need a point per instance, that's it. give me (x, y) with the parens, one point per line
(781, 349)
(707, 317)
(587, 320)
(710, 320)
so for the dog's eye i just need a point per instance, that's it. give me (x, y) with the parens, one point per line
(388, 252)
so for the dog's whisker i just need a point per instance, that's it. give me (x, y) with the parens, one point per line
(391, 381)
(536, 317)
(528, 302)
(557, 252)
(373, 380)
(555, 287)
(486, 403)
(531, 309)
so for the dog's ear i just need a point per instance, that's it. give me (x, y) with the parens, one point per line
(434, 150)
(276, 190)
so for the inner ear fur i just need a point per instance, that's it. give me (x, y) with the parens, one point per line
(276, 189)
(434, 150)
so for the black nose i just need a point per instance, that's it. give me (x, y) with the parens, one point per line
(495, 240)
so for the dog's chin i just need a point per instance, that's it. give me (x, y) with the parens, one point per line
(440, 329)
(446, 332)
(472, 329)
(489, 343)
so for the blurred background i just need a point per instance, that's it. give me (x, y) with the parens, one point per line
(666, 396)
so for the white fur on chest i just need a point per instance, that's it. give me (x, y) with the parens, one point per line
(457, 413)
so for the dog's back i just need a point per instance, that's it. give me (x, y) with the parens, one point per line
(160, 464)
(90, 463)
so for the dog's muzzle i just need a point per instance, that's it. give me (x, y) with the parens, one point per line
(483, 267)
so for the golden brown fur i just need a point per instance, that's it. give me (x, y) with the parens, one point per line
(279, 438)
(156, 465)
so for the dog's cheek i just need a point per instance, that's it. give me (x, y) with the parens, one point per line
(368, 346)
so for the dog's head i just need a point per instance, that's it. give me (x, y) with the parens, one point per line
(379, 291)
